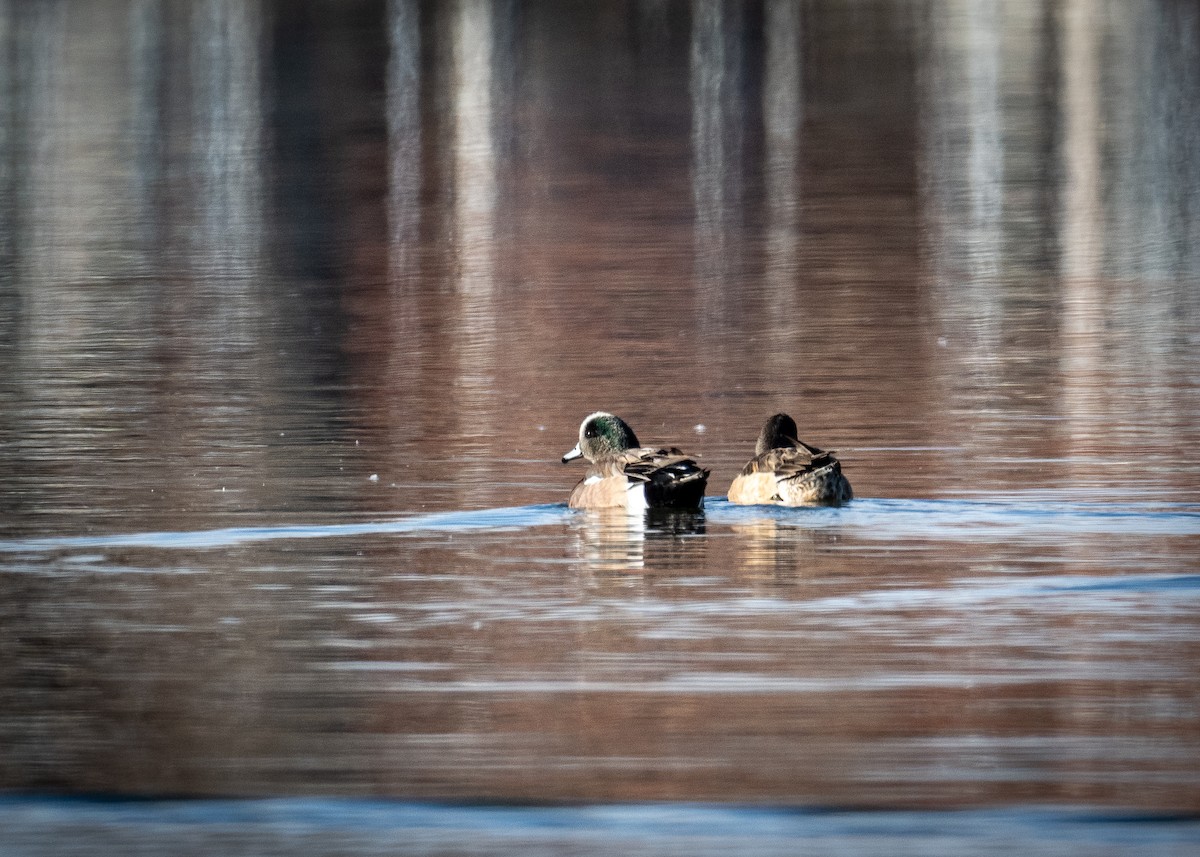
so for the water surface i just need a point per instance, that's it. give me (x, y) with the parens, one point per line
(300, 304)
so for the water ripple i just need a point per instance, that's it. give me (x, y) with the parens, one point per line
(42, 824)
(890, 519)
(521, 517)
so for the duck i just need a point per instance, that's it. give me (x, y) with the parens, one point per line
(624, 474)
(786, 471)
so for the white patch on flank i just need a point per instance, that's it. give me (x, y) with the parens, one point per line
(592, 480)
(635, 497)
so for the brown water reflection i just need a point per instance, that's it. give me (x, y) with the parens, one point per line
(319, 266)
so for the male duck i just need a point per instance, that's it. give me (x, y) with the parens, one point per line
(785, 471)
(623, 474)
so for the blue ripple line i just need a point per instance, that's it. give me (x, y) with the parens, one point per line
(582, 823)
(887, 517)
(517, 517)
(1155, 583)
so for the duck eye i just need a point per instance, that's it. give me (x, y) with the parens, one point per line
(591, 431)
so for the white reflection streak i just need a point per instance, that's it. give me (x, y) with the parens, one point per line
(70, 185)
(1081, 214)
(145, 82)
(74, 84)
(39, 98)
(962, 172)
(475, 168)
(1084, 358)
(474, 198)
(7, 147)
(227, 137)
(1128, 108)
(782, 117)
(716, 141)
(985, 165)
(1081, 146)
(404, 140)
(964, 153)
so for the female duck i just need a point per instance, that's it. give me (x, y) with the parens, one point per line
(786, 471)
(623, 474)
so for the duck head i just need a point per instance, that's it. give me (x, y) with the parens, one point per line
(602, 435)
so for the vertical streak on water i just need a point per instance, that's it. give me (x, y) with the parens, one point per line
(782, 119)
(475, 197)
(985, 170)
(70, 190)
(7, 172)
(7, 119)
(1130, 97)
(404, 142)
(403, 330)
(1152, 77)
(67, 194)
(1130, 215)
(1148, 41)
(145, 129)
(1082, 217)
(716, 84)
(227, 232)
(1185, 165)
(962, 175)
(222, 303)
(9, 299)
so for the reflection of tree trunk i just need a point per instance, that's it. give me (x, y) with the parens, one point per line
(716, 84)
(1081, 214)
(404, 144)
(475, 197)
(226, 233)
(402, 330)
(1081, 151)
(474, 152)
(962, 187)
(782, 118)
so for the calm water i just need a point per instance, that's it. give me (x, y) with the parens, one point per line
(300, 304)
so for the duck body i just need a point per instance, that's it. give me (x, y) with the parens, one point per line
(623, 474)
(785, 471)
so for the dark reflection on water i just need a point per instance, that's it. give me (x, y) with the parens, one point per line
(299, 304)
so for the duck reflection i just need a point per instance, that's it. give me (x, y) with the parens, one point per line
(657, 541)
(775, 547)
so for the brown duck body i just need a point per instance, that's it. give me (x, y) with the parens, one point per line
(788, 472)
(624, 475)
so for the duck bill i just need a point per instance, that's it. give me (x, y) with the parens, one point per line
(572, 455)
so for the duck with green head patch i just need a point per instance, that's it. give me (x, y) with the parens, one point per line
(786, 471)
(623, 474)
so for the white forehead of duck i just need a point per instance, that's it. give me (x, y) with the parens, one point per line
(592, 416)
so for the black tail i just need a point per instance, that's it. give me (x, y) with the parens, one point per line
(677, 486)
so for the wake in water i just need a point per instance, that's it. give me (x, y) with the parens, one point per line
(514, 518)
(887, 519)
(326, 826)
